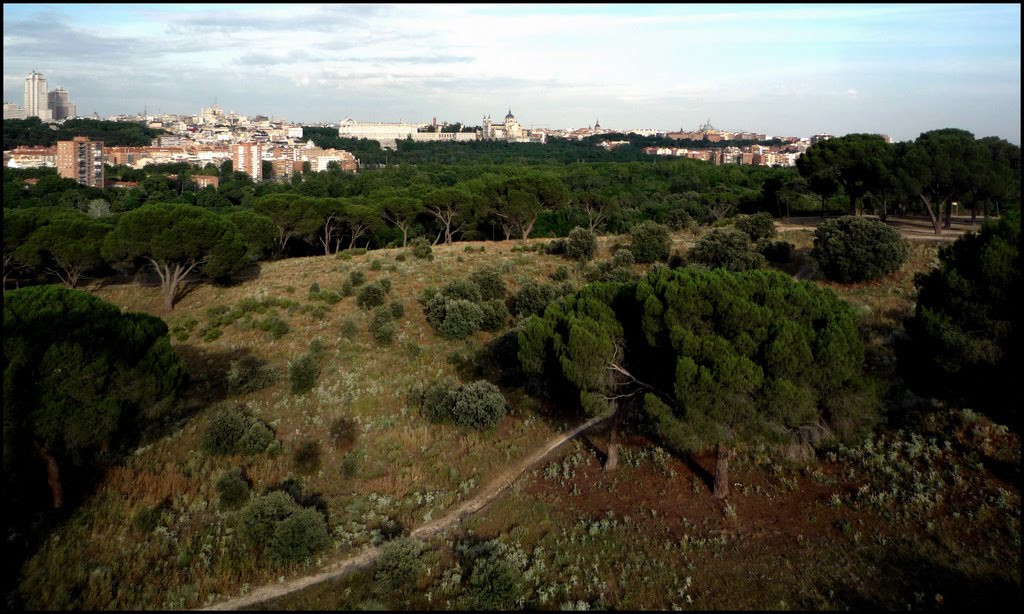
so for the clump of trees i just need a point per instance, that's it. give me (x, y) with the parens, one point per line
(710, 358)
(850, 249)
(233, 430)
(965, 333)
(275, 524)
(83, 382)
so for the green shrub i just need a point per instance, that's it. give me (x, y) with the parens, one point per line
(495, 584)
(274, 325)
(350, 463)
(438, 400)
(233, 431)
(399, 257)
(462, 319)
(370, 296)
(581, 244)
(554, 248)
(488, 280)
(464, 289)
(479, 405)
(249, 374)
(757, 226)
(303, 373)
(382, 326)
(357, 278)
(299, 536)
(651, 242)
(533, 298)
(850, 249)
(344, 432)
(375, 265)
(314, 289)
(347, 289)
(623, 258)
(778, 252)
(561, 273)
(258, 520)
(397, 309)
(495, 315)
(399, 566)
(307, 457)
(726, 248)
(349, 329)
(146, 519)
(421, 249)
(232, 489)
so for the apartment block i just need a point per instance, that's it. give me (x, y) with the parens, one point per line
(248, 159)
(81, 159)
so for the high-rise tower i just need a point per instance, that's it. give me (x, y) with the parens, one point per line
(59, 102)
(36, 103)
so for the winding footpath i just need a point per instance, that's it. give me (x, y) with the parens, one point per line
(423, 533)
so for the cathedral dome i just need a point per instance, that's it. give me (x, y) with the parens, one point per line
(510, 116)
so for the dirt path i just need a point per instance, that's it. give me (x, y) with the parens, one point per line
(424, 532)
(912, 228)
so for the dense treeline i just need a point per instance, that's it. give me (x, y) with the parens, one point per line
(323, 212)
(32, 131)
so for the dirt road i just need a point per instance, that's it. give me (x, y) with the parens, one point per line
(424, 532)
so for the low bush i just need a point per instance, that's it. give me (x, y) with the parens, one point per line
(463, 289)
(399, 566)
(349, 329)
(533, 298)
(234, 431)
(370, 296)
(581, 244)
(306, 457)
(382, 326)
(357, 278)
(421, 249)
(303, 373)
(232, 489)
(623, 258)
(257, 521)
(758, 226)
(495, 584)
(274, 325)
(397, 309)
(299, 536)
(776, 252)
(495, 315)
(249, 374)
(554, 248)
(726, 248)
(561, 273)
(454, 318)
(850, 249)
(437, 401)
(651, 242)
(488, 280)
(344, 432)
(479, 405)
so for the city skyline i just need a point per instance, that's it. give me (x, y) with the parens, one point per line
(783, 70)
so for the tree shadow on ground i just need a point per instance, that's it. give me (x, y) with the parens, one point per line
(909, 578)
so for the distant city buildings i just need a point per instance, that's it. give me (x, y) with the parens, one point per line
(47, 106)
(248, 159)
(81, 159)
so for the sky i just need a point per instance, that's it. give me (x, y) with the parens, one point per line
(781, 70)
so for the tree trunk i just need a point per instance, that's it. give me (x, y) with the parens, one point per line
(53, 478)
(949, 214)
(936, 222)
(612, 462)
(721, 487)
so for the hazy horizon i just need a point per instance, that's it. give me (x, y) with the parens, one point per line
(781, 70)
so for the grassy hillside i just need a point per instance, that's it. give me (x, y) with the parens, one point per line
(926, 515)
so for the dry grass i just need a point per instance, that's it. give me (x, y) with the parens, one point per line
(400, 467)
